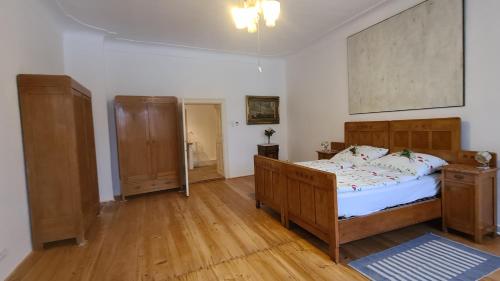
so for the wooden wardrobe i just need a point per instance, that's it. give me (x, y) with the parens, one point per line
(148, 143)
(60, 158)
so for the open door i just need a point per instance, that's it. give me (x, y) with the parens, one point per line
(220, 139)
(185, 147)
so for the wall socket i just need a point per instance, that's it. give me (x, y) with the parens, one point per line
(3, 254)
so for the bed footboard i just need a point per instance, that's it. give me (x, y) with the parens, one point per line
(268, 183)
(311, 202)
(302, 195)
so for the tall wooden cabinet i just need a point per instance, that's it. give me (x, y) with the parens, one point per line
(148, 143)
(60, 158)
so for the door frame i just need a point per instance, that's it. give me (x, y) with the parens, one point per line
(222, 104)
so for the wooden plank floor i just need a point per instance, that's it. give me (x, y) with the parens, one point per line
(216, 234)
(203, 174)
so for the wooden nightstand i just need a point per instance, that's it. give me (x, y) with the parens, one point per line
(335, 147)
(469, 200)
(270, 150)
(326, 154)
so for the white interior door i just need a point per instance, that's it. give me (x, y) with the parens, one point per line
(185, 146)
(219, 141)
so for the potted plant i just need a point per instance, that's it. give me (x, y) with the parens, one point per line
(269, 132)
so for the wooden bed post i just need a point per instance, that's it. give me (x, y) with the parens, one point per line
(284, 200)
(334, 243)
(269, 184)
(256, 176)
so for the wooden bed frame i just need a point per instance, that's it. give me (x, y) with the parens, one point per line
(308, 197)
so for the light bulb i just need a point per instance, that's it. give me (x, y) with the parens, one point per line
(271, 10)
(240, 17)
(245, 17)
(252, 27)
(270, 23)
(249, 16)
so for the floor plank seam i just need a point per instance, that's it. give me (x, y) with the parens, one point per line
(209, 266)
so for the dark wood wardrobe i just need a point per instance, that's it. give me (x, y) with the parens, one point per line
(148, 143)
(60, 158)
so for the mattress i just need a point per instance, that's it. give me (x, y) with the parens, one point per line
(373, 200)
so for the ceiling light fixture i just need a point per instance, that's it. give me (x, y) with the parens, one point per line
(248, 16)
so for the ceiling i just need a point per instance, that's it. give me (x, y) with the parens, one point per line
(207, 24)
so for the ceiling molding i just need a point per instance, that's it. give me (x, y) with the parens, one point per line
(130, 47)
(82, 23)
(338, 26)
(173, 45)
(116, 36)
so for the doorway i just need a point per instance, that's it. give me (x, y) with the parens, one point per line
(204, 135)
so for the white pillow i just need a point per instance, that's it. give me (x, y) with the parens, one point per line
(418, 164)
(363, 154)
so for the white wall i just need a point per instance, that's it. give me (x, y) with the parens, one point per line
(31, 43)
(317, 84)
(84, 60)
(137, 69)
(202, 123)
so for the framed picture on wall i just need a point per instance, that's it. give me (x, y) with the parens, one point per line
(263, 110)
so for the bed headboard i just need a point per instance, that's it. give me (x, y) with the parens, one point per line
(440, 137)
(374, 133)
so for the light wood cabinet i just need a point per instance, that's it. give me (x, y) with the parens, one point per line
(60, 160)
(469, 200)
(148, 143)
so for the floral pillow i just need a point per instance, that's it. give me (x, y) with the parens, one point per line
(408, 162)
(359, 154)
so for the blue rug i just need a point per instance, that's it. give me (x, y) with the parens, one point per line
(429, 257)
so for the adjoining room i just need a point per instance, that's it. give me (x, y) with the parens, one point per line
(205, 142)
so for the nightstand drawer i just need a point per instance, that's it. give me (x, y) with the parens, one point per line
(462, 177)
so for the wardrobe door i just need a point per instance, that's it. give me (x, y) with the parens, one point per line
(132, 127)
(50, 169)
(165, 142)
(82, 155)
(92, 191)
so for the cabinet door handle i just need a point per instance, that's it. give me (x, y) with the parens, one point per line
(459, 177)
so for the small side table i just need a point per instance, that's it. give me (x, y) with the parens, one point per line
(270, 150)
(469, 200)
(326, 154)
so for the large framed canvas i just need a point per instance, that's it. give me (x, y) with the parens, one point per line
(263, 110)
(413, 60)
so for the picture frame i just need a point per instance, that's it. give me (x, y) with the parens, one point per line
(263, 110)
(413, 60)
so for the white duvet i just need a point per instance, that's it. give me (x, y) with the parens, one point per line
(354, 179)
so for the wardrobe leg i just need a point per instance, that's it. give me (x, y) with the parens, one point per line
(80, 240)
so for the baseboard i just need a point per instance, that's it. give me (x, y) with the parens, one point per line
(21, 267)
(240, 177)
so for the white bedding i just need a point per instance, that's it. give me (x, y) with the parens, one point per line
(370, 201)
(362, 178)
(367, 189)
